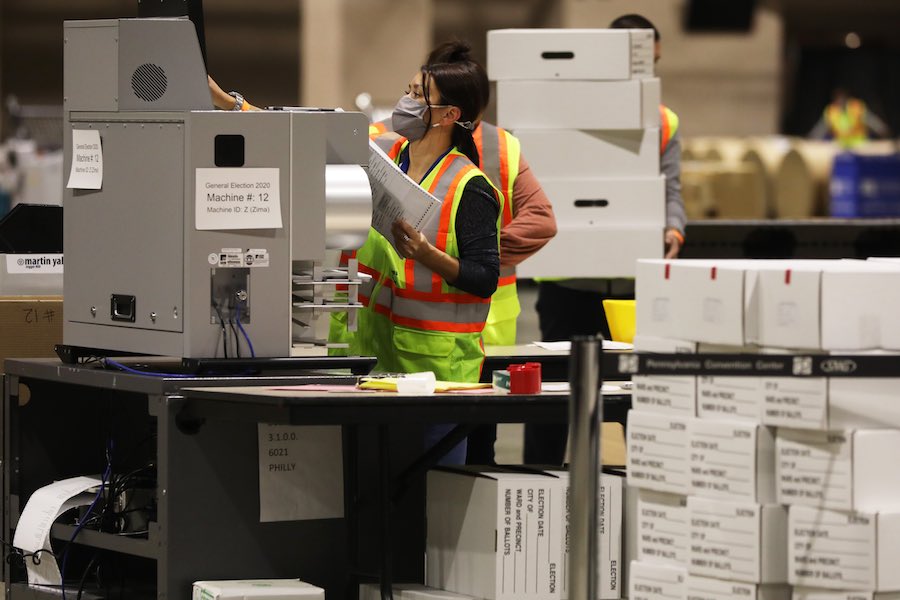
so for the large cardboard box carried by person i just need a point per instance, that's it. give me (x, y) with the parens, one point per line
(30, 326)
(578, 104)
(574, 153)
(577, 54)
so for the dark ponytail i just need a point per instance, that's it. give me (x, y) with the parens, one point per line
(463, 83)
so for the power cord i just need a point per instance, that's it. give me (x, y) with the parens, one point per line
(237, 310)
(103, 479)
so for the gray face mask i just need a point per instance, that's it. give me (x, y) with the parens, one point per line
(407, 119)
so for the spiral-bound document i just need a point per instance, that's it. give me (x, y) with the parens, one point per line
(396, 196)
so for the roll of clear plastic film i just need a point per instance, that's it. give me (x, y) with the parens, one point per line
(348, 206)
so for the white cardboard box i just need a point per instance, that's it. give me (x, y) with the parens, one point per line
(490, 536)
(256, 589)
(804, 593)
(841, 305)
(574, 153)
(663, 535)
(841, 550)
(656, 582)
(658, 452)
(840, 470)
(610, 517)
(582, 54)
(732, 460)
(635, 201)
(707, 588)
(739, 541)
(578, 104)
(593, 251)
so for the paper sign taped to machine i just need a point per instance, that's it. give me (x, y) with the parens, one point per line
(87, 160)
(237, 199)
(300, 473)
(395, 196)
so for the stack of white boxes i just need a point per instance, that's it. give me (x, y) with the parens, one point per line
(748, 484)
(503, 534)
(585, 105)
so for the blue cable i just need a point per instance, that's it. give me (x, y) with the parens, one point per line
(237, 312)
(84, 519)
(127, 369)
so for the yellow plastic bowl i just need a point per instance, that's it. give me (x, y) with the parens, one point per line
(620, 317)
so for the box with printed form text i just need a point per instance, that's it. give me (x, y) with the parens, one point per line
(256, 589)
(738, 541)
(844, 550)
(732, 460)
(663, 535)
(494, 534)
(840, 470)
(806, 593)
(675, 394)
(707, 588)
(656, 582)
(658, 452)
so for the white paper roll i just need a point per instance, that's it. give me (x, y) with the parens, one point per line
(348, 207)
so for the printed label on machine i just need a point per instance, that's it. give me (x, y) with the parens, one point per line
(256, 257)
(34, 264)
(87, 160)
(227, 258)
(237, 199)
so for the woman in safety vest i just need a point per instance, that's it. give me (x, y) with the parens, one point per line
(429, 296)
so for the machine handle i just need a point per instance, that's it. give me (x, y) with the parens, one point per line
(560, 55)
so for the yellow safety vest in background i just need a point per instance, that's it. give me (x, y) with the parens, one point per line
(668, 123)
(847, 123)
(499, 152)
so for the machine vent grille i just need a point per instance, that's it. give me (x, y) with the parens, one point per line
(149, 82)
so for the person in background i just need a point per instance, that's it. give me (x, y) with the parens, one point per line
(528, 224)
(848, 121)
(570, 307)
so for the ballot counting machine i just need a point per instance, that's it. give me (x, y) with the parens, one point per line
(191, 232)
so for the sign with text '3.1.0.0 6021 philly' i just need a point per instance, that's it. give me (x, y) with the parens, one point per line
(237, 199)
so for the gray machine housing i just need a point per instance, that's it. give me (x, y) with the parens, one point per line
(140, 277)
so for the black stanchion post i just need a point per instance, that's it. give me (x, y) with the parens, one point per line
(585, 417)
